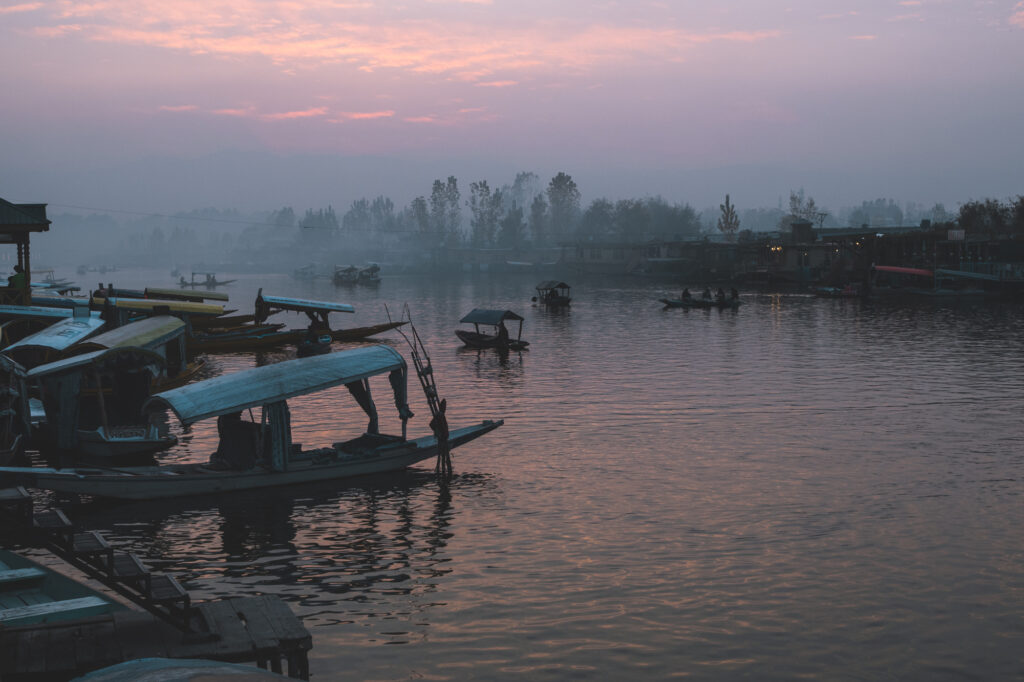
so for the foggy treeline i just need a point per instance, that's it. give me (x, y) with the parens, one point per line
(519, 216)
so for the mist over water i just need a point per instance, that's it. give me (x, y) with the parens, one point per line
(802, 487)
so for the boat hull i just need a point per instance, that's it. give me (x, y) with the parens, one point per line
(239, 342)
(478, 340)
(157, 482)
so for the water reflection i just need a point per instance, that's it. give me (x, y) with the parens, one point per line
(493, 363)
(383, 536)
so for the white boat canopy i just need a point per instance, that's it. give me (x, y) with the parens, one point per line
(276, 383)
(57, 337)
(150, 333)
(491, 317)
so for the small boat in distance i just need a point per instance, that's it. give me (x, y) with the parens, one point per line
(207, 279)
(496, 335)
(260, 453)
(346, 275)
(553, 294)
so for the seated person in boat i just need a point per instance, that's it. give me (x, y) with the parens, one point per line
(686, 294)
(18, 279)
(720, 295)
(706, 294)
(735, 294)
(239, 446)
(502, 334)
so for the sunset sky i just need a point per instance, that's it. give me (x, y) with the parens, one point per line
(156, 105)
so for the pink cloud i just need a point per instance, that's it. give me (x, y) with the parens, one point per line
(180, 107)
(1017, 18)
(26, 7)
(911, 3)
(497, 84)
(364, 115)
(233, 112)
(866, 37)
(286, 115)
(420, 119)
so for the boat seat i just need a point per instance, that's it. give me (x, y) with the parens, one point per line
(20, 577)
(18, 500)
(127, 567)
(64, 609)
(53, 521)
(91, 546)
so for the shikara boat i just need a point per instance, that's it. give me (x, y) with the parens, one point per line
(346, 275)
(261, 335)
(19, 321)
(704, 303)
(273, 459)
(120, 311)
(51, 343)
(370, 275)
(495, 334)
(179, 295)
(163, 335)
(207, 279)
(32, 594)
(553, 293)
(93, 403)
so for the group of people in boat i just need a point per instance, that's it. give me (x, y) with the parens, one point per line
(719, 296)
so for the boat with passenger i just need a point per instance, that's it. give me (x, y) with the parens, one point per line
(205, 279)
(553, 293)
(494, 333)
(260, 453)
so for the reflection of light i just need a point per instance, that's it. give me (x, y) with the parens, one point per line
(775, 249)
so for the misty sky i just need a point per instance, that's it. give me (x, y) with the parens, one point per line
(256, 104)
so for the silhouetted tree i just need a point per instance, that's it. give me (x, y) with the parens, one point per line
(564, 200)
(728, 222)
(539, 219)
(511, 228)
(597, 220)
(631, 219)
(453, 212)
(283, 218)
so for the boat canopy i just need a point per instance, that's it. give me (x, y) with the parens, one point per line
(39, 312)
(276, 383)
(150, 333)
(302, 305)
(136, 358)
(550, 284)
(492, 317)
(903, 271)
(58, 336)
(179, 295)
(57, 301)
(148, 304)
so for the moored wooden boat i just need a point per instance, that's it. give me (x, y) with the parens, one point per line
(553, 293)
(274, 460)
(699, 303)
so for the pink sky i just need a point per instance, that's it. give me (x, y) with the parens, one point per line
(915, 99)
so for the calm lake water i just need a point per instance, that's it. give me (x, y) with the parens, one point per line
(800, 488)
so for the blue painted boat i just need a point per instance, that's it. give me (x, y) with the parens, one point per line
(31, 594)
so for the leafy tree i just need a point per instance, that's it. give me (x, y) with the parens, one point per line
(438, 210)
(420, 215)
(801, 208)
(357, 217)
(631, 219)
(539, 219)
(511, 228)
(453, 211)
(564, 200)
(321, 219)
(728, 222)
(283, 218)
(485, 208)
(524, 188)
(990, 216)
(597, 220)
(382, 215)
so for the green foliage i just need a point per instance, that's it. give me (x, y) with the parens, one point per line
(511, 230)
(991, 216)
(539, 219)
(564, 201)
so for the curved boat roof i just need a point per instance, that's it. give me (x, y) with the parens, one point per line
(484, 316)
(59, 335)
(36, 311)
(99, 358)
(552, 284)
(302, 305)
(145, 304)
(274, 383)
(149, 333)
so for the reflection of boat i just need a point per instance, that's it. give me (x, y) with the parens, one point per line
(553, 294)
(492, 320)
(276, 461)
(32, 594)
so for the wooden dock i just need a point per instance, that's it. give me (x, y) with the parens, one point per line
(260, 630)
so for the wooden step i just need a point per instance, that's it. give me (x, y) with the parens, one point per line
(165, 589)
(17, 501)
(93, 547)
(129, 568)
(52, 521)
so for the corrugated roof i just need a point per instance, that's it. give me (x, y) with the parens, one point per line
(23, 217)
(273, 383)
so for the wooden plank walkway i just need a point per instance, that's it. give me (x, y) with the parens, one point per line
(260, 630)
